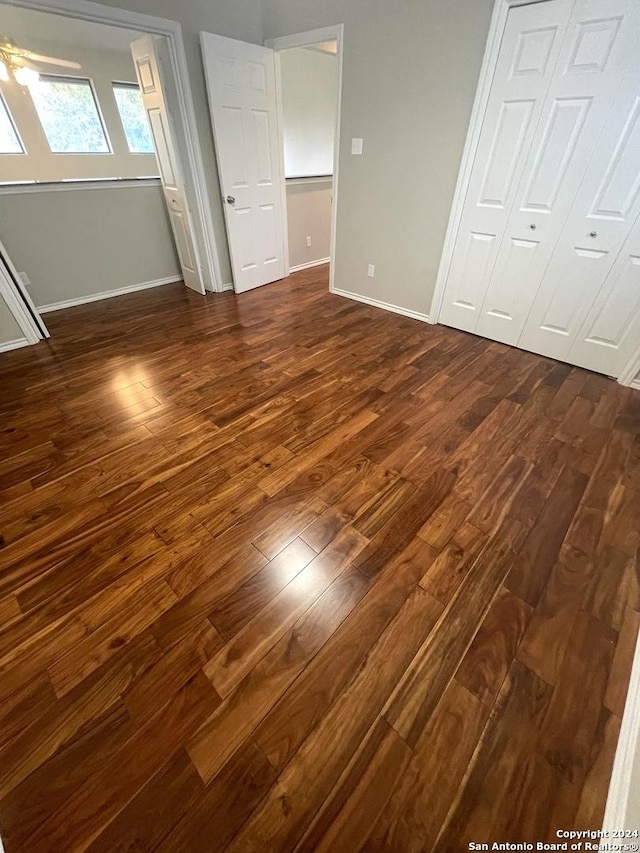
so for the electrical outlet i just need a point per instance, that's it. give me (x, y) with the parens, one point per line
(309, 241)
(371, 270)
(356, 146)
(24, 278)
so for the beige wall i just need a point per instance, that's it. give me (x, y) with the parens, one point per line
(309, 101)
(241, 19)
(309, 215)
(410, 73)
(77, 242)
(9, 329)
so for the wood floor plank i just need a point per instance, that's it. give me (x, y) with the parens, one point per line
(528, 576)
(333, 743)
(224, 732)
(412, 704)
(414, 814)
(489, 796)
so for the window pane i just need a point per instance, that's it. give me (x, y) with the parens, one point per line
(9, 142)
(134, 118)
(69, 115)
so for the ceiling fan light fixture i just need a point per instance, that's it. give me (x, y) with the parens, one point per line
(4, 71)
(26, 76)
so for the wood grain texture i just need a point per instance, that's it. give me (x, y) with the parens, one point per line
(314, 579)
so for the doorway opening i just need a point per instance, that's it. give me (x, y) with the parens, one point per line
(100, 192)
(308, 86)
(255, 102)
(324, 49)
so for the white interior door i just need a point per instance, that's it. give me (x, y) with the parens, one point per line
(605, 210)
(242, 98)
(149, 73)
(526, 64)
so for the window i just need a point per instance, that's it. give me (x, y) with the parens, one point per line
(9, 140)
(134, 118)
(69, 115)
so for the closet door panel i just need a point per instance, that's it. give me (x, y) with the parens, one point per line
(595, 53)
(528, 55)
(611, 333)
(606, 208)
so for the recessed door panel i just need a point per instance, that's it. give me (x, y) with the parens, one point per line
(501, 304)
(617, 196)
(243, 226)
(610, 334)
(511, 132)
(475, 259)
(264, 174)
(593, 45)
(233, 147)
(557, 147)
(533, 52)
(163, 149)
(182, 242)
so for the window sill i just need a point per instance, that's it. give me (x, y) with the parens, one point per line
(82, 184)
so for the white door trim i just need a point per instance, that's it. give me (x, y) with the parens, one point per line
(302, 40)
(622, 809)
(194, 165)
(631, 371)
(20, 303)
(490, 60)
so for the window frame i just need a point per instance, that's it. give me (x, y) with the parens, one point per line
(70, 78)
(23, 148)
(123, 84)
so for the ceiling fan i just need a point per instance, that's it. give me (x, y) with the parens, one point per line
(18, 61)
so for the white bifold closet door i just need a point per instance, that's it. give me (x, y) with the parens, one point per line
(558, 121)
(588, 303)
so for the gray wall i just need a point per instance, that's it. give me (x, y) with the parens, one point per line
(309, 101)
(93, 240)
(410, 73)
(309, 215)
(240, 19)
(9, 329)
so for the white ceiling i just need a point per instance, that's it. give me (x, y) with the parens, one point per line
(57, 35)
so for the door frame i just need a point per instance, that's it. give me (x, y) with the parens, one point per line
(305, 39)
(193, 165)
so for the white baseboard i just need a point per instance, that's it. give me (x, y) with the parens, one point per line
(228, 286)
(9, 345)
(309, 265)
(108, 294)
(387, 306)
(623, 811)
(635, 384)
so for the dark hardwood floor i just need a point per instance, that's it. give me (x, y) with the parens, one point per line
(285, 572)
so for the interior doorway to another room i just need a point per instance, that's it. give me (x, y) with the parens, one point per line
(275, 114)
(92, 169)
(308, 79)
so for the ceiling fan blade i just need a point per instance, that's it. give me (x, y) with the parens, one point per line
(50, 60)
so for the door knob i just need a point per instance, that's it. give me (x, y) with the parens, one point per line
(230, 199)
(533, 226)
(593, 234)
